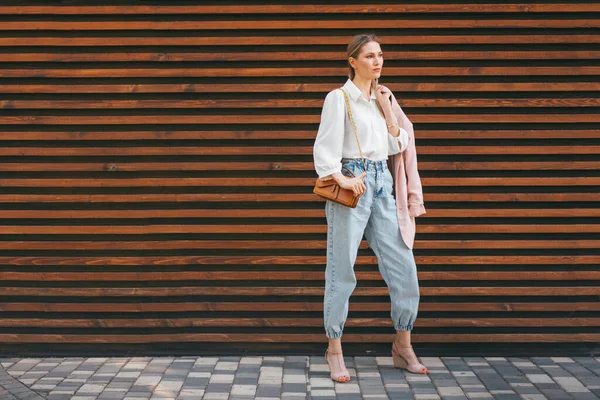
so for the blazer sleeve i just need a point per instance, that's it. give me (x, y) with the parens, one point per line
(415, 202)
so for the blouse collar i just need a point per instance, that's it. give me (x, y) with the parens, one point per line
(353, 90)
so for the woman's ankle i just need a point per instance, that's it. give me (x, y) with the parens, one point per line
(334, 346)
(402, 339)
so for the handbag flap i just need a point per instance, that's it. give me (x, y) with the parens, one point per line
(328, 182)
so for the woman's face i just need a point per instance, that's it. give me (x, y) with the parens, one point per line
(369, 62)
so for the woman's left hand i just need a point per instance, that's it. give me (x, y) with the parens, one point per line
(383, 94)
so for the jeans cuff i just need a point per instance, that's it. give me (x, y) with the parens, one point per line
(403, 327)
(333, 335)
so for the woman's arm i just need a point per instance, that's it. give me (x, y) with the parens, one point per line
(327, 150)
(398, 136)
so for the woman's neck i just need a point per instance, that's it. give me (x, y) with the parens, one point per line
(364, 85)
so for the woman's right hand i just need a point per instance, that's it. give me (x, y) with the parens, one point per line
(355, 184)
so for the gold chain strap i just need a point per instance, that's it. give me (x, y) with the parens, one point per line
(354, 127)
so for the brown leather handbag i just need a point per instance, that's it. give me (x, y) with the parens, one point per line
(329, 189)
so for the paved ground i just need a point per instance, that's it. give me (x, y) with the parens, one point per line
(297, 377)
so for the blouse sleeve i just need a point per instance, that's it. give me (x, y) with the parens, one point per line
(327, 150)
(397, 144)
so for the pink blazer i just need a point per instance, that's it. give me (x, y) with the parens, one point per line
(407, 182)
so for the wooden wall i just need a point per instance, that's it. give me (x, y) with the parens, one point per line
(156, 172)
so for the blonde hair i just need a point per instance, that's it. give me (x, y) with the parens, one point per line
(355, 46)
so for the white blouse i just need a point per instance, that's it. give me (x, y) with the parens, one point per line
(335, 139)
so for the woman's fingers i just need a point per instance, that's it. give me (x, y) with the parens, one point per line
(356, 184)
(359, 188)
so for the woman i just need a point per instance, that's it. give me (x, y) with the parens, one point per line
(337, 156)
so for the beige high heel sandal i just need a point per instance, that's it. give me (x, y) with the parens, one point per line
(400, 362)
(341, 376)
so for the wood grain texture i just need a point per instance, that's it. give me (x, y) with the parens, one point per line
(255, 40)
(224, 72)
(482, 291)
(305, 306)
(295, 9)
(296, 338)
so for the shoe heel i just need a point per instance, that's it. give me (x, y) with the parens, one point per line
(399, 362)
(341, 376)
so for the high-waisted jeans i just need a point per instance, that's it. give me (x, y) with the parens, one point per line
(375, 216)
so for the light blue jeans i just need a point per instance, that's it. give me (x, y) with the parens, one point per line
(375, 217)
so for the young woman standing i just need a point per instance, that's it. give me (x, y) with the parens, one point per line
(337, 156)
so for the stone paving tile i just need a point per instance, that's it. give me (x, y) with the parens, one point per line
(297, 377)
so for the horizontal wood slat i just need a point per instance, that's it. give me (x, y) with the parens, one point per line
(296, 338)
(446, 71)
(279, 150)
(248, 229)
(286, 322)
(288, 166)
(287, 260)
(288, 275)
(278, 119)
(287, 103)
(156, 171)
(294, 182)
(91, 135)
(299, 87)
(254, 40)
(305, 306)
(282, 213)
(291, 56)
(283, 197)
(296, 244)
(264, 24)
(566, 291)
(296, 9)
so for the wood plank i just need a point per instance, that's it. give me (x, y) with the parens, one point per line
(300, 306)
(225, 72)
(286, 244)
(507, 103)
(257, 275)
(296, 338)
(278, 150)
(289, 166)
(255, 134)
(154, 151)
(290, 260)
(296, 291)
(147, 229)
(231, 24)
(180, 166)
(286, 213)
(194, 213)
(304, 40)
(505, 166)
(237, 118)
(264, 322)
(295, 182)
(321, 88)
(197, 56)
(295, 9)
(167, 135)
(280, 197)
